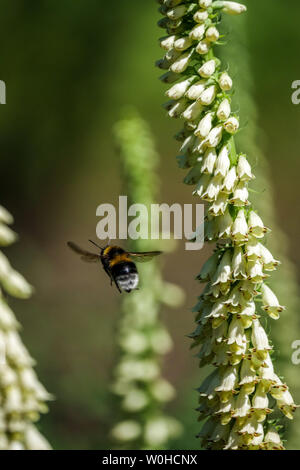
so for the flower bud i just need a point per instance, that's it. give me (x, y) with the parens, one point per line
(208, 95)
(207, 69)
(178, 90)
(5, 216)
(233, 8)
(205, 3)
(167, 43)
(215, 136)
(225, 82)
(193, 111)
(230, 181)
(204, 126)
(256, 225)
(259, 337)
(224, 110)
(16, 285)
(197, 32)
(240, 196)
(210, 158)
(231, 125)
(244, 169)
(240, 227)
(182, 44)
(212, 34)
(181, 64)
(7, 236)
(203, 47)
(223, 162)
(195, 91)
(200, 16)
(270, 301)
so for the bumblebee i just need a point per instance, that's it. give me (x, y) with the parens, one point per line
(117, 263)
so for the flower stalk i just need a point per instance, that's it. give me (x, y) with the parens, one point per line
(143, 340)
(237, 398)
(22, 397)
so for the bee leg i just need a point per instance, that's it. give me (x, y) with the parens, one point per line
(117, 285)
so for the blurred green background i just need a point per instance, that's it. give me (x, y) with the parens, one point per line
(69, 68)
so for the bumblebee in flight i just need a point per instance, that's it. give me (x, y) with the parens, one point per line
(118, 264)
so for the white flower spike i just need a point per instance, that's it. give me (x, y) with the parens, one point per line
(234, 399)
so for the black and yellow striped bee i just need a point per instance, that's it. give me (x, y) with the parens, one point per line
(117, 263)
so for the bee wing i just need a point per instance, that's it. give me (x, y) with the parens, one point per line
(143, 257)
(85, 255)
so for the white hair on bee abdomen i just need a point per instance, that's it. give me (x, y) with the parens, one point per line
(128, 281)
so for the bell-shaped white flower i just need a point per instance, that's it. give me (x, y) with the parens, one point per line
(34, 439)
(233, 8)
(212, 34)
(231, 125)
(16, 285)
(213, 189)
(224, 110)
(7, 235)
(253, 250)
(242, 405)
(229, 379)
(219, 206)
(256, 225)
(240, 196)
(230, 181)
(240, 227)
(247, 374)
(286, 404)
(272, 441)
(178, 90)
(223, 162)
(259, 337)
(205, 3)
(203, 47)
(208, 95)
(239, 264)
(5, 216)
(204, 126)
(244, 169)
(167, 43)
(225, 82)
(269, 262)
(182, 44)
(207, 69)
(182, 63)
(236, 333)
(200, 16)
(215, 136)
(197, 32)
(193, 111)
(224, 271)
(270, 302)
(255, 271)
(224, 225)
(209, 161)
(195, 91)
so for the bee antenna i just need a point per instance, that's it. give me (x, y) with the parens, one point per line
(96, 244)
